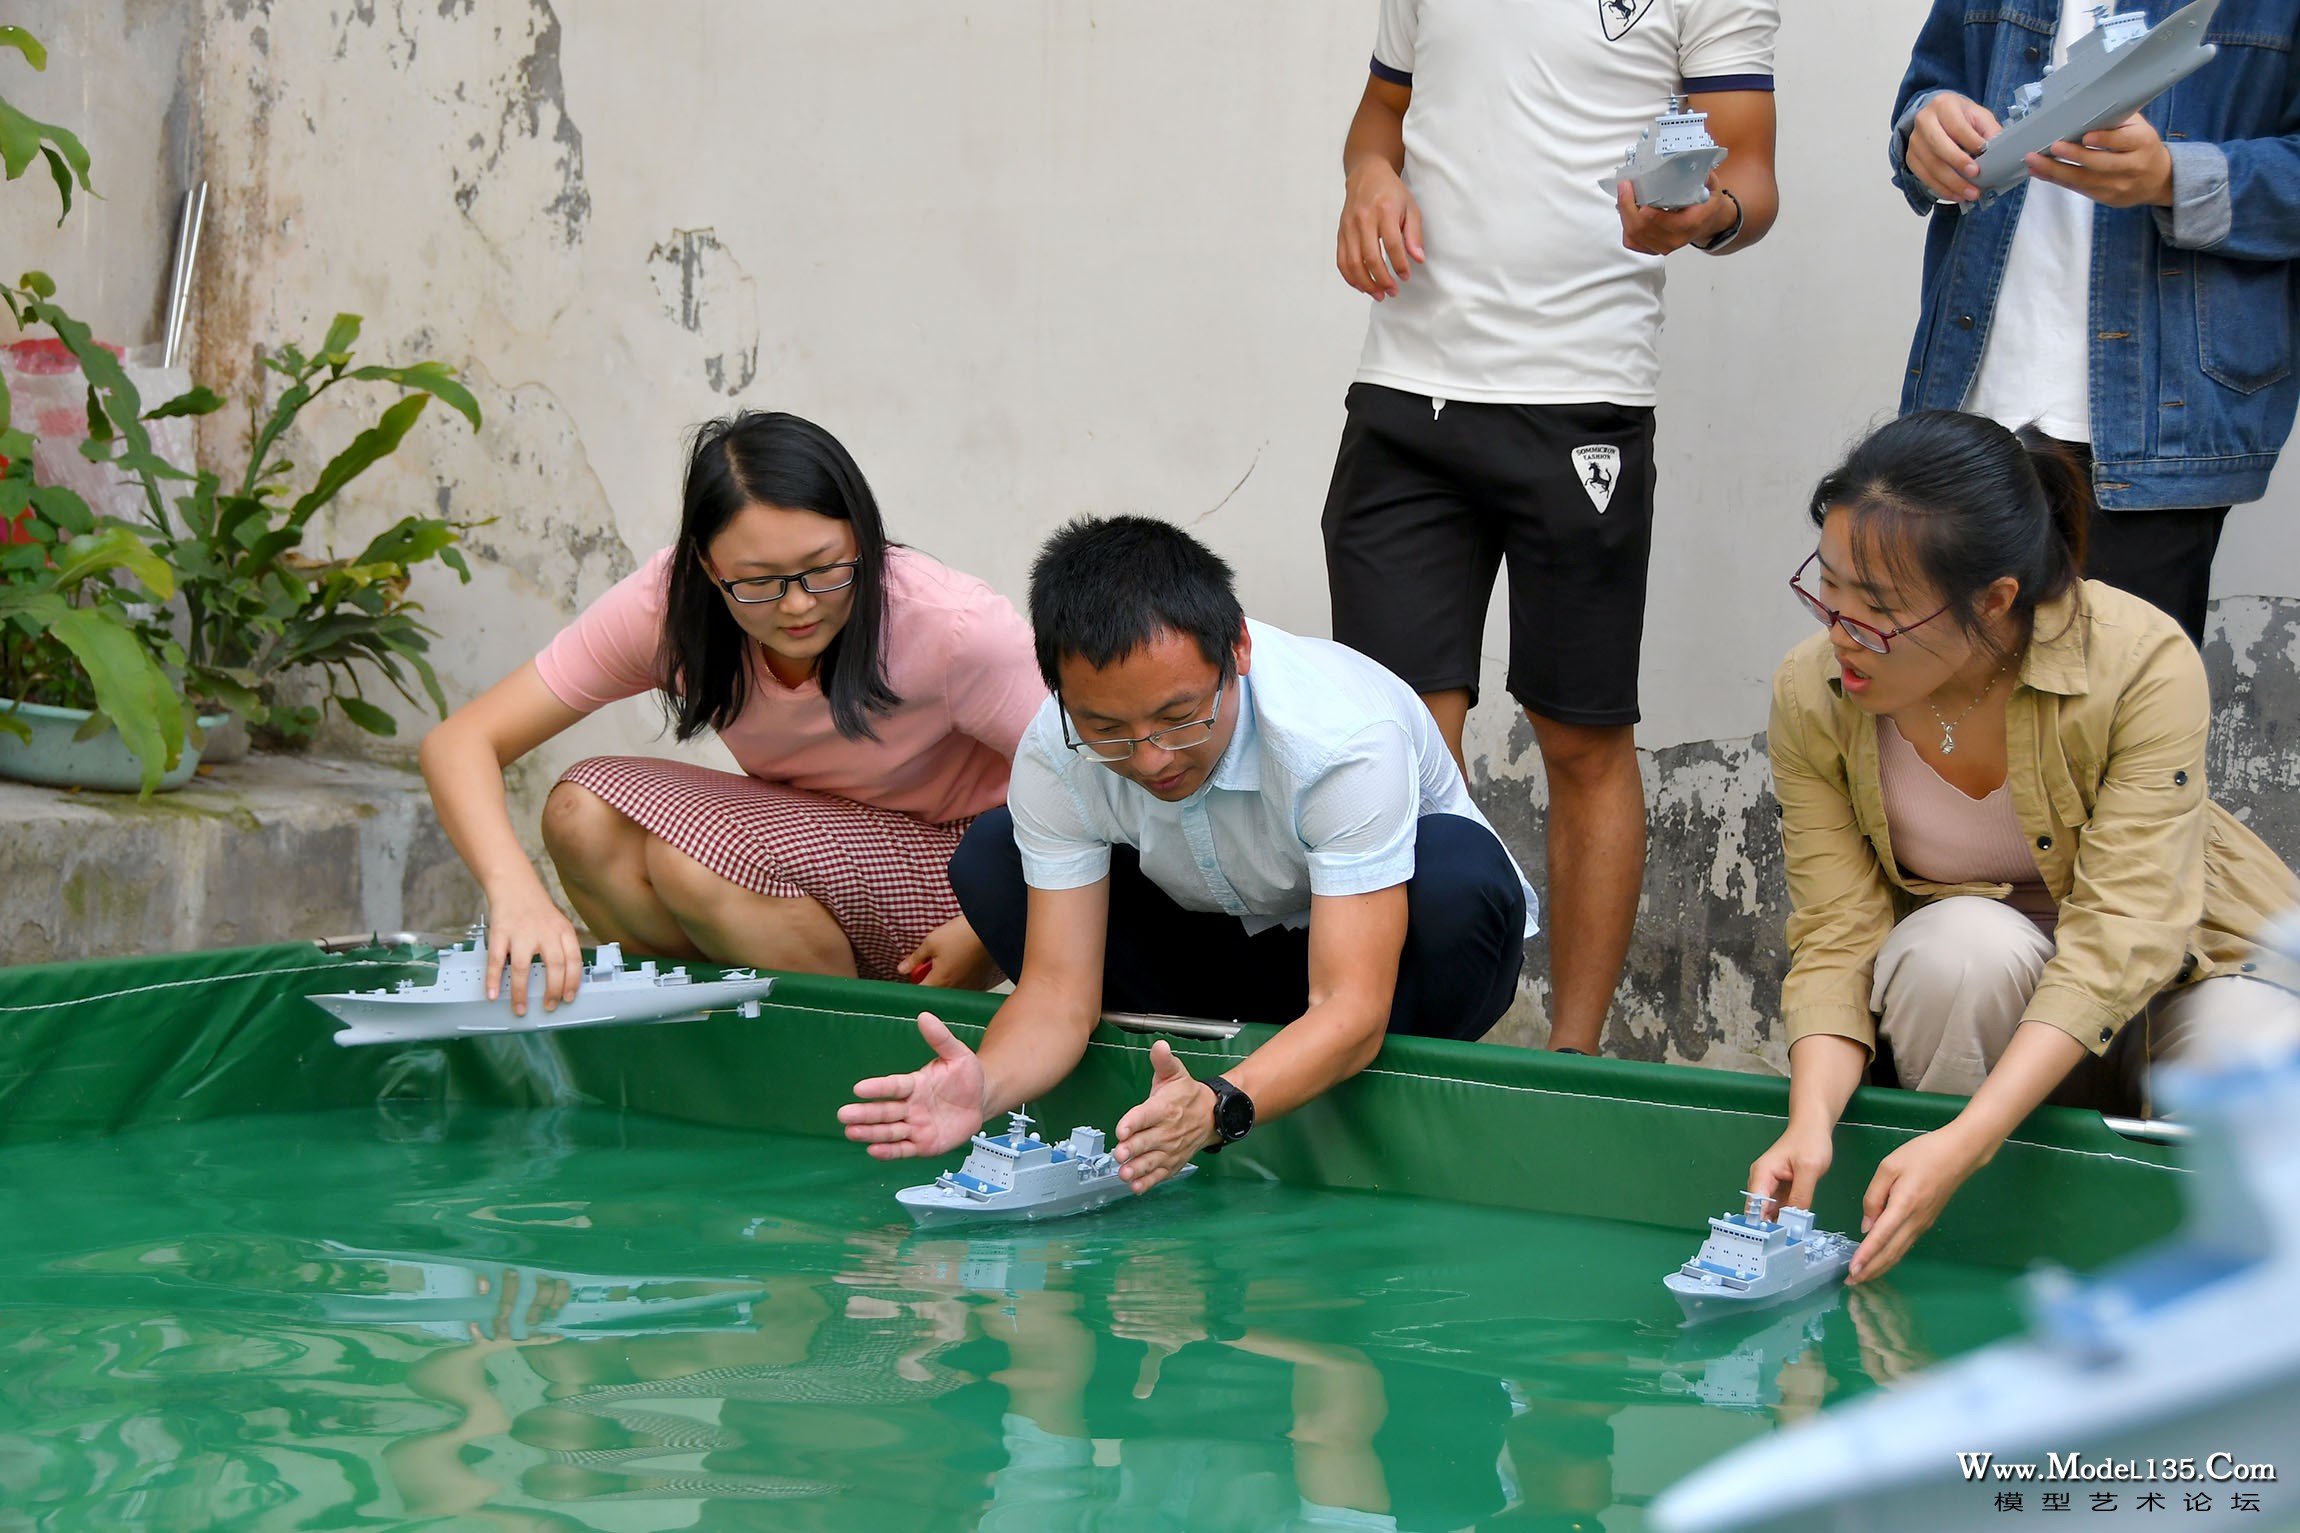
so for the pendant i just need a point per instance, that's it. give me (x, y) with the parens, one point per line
(1948, 743)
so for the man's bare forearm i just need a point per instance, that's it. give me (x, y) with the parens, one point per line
(1034, 1042)
(1377, 131)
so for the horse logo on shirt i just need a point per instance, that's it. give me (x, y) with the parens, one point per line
(1618, 16)
(1598, 469)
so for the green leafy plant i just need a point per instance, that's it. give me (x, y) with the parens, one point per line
(225, 603)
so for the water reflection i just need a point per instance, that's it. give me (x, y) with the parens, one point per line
(571, 1320)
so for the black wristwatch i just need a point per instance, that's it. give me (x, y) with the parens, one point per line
(1233, 1113)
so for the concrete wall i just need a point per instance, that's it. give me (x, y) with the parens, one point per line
(1027, 259)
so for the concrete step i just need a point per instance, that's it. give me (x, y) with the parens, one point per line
(276, 847)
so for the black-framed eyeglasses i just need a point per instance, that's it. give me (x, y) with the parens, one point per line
(1178, 737)
(1877, 641)
(819, 581)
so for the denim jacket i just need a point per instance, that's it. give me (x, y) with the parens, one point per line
(2192, 380)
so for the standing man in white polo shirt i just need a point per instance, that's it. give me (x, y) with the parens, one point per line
(1503, 408)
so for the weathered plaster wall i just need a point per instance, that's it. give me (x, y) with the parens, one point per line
(1030, 260)
(123, 75)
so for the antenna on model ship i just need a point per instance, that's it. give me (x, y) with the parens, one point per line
(1753, 1206)
(1018, 1123)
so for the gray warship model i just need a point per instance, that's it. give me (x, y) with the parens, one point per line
(1749, 1262)
(2113, 71)
(455, 1003)
(1017, 1175)
(1668, 167)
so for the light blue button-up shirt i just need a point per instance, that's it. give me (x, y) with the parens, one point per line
(1332, 761)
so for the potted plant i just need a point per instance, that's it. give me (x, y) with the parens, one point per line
(231, 604)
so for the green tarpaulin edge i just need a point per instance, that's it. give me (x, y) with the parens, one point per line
(101, 1047)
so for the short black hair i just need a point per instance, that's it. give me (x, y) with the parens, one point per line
(1104, 586)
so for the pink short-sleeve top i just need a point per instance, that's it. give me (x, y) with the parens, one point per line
(957, 654)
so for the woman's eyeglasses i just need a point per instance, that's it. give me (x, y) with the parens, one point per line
(1877, 641)
(819, 581)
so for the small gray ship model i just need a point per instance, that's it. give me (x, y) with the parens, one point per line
(455, 1003)
(1668, 167)
(1749, 1262)
(1017, 1175)
(2113, 71)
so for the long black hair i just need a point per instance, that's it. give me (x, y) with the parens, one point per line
(768, 458)
(1961, 502)
(1103, 587)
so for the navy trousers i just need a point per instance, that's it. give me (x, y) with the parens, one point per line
(1465, 935)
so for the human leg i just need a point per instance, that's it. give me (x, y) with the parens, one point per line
(1408, 561)
(1950, 984)
(734, 925)
(601, 855)
(1578, 536)
(1157, 957)
(1594, 839)
(2162, 557)
(728, 841)
(1465, 932)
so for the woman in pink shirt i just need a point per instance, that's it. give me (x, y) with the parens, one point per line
(872, 696)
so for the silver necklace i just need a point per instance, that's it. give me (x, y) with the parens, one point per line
(1949, 726)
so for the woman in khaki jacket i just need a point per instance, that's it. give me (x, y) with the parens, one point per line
(2000, 852)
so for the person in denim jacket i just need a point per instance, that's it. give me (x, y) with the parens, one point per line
(2169, 369)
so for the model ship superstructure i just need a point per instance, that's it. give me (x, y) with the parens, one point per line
(2112, 71)
(1017, 1175)
(1750, 1261)
(1668, 167)
(455, 1003)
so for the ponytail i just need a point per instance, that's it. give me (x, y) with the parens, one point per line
(1958, 503)
(2068, 491)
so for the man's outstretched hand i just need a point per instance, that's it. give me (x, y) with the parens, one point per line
(926, 1112)
(1174, 1123)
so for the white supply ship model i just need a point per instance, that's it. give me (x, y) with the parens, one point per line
(1750, 1261)
(455, 1003)
(2179, 1365)
(1017, 1175)
(2113, 71)
(448, 1295)
(1668, 167)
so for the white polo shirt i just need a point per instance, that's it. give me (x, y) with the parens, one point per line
(1520, 108)
(1332, 761)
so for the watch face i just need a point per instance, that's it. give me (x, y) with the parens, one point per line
(1233, 1111)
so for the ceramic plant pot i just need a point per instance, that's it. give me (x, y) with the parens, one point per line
(54, 757)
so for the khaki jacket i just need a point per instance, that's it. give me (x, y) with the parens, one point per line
(2157, 885)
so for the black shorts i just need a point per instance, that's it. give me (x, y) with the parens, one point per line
(1428, 503)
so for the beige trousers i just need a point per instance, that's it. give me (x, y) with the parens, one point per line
(1953, 979)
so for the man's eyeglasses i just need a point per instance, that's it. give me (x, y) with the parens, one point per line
(819, 581)
(1179, 737)
(1875, 640)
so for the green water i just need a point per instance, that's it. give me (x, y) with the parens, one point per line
(277, 1322)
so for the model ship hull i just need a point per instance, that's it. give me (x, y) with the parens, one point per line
(1702, 1300)
(1673, 181)
(2123, 82)
(934, 1205)
(413, 1017)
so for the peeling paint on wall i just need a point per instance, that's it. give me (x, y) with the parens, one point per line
(709, 296)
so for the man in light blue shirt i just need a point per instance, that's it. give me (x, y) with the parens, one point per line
(1210, 817)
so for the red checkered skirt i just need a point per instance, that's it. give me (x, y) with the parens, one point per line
(883, 876)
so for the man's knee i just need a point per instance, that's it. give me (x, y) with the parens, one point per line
(1584, 754)
(986, 876)
(1465, 931)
